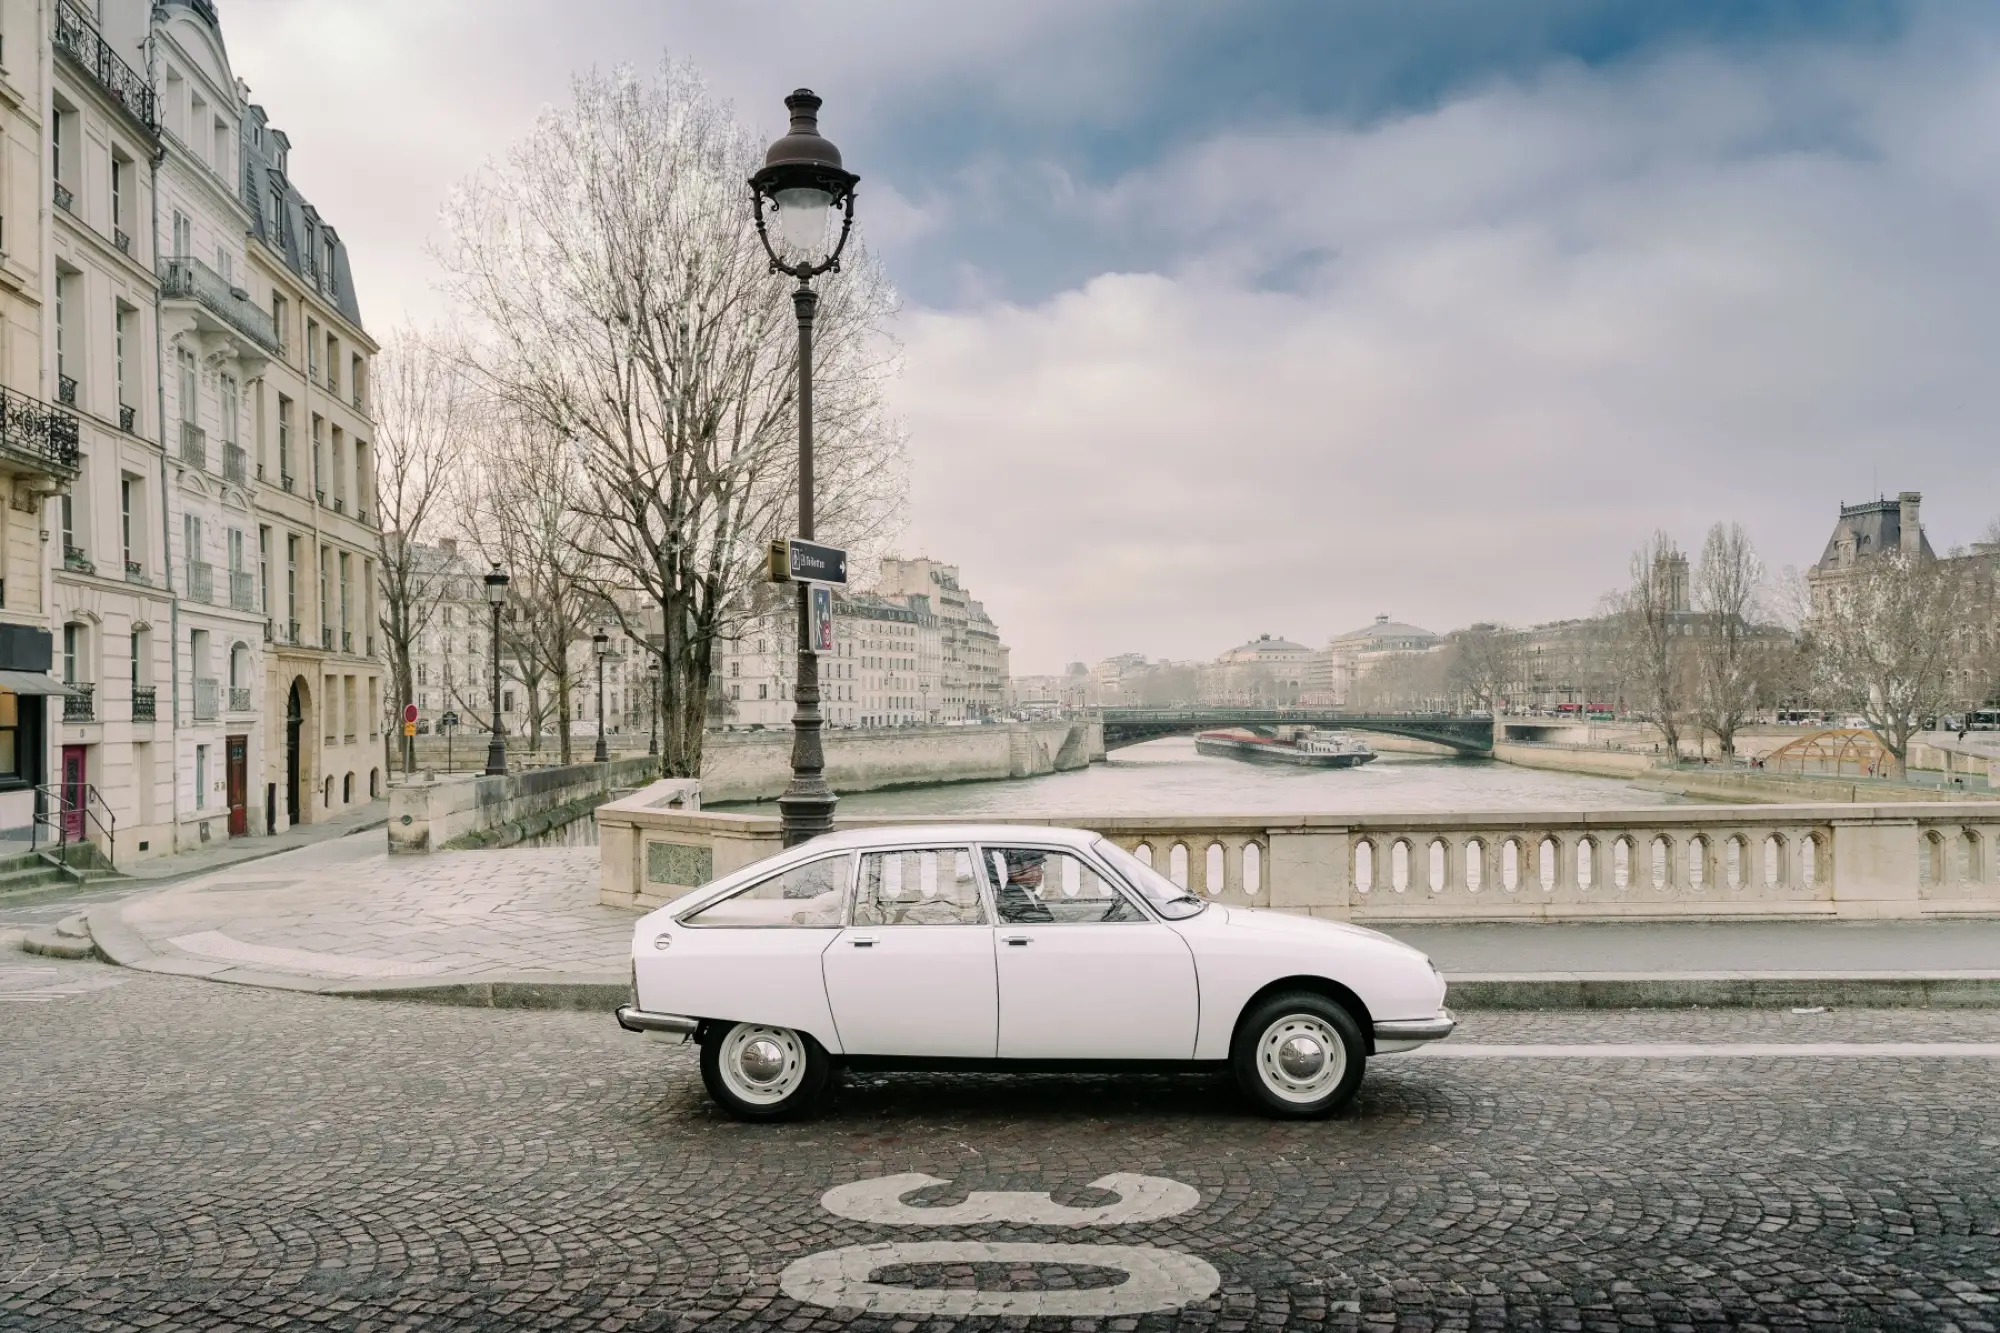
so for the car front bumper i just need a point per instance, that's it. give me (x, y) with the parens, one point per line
(1406, 1034)
(674, 1027)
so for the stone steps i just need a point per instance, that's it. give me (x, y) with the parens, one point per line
(68, 938)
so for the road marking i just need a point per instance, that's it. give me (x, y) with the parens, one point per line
(1141, 1199)
(1743, 1050)
(1154, 1279)
(39, 985)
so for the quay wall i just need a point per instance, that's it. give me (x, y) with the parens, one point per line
(756, 765)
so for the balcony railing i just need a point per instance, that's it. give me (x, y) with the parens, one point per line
(207, 697)
(326, 639)
(128, 417)
(292, 632)
(194, 445)
(201, 581)
(242, 590)
(346, 641)
(77, 559)
(144, 703)
(77, 37)
(80, 706)
(285, 480)
(339, 505)
(65, 198)
(235, 463)
(192, 280)
(122, 239)
(136, 573)
(239, 698)
(66, 390)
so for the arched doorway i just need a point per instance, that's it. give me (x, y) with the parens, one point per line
(295, 719)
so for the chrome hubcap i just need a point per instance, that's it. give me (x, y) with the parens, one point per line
(1301, 1058)
(762, 1065)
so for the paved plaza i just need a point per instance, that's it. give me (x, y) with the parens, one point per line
(175, 1154)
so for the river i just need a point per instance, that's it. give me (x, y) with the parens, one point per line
(1167, 777)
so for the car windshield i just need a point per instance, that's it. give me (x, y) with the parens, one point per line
(1167, 898)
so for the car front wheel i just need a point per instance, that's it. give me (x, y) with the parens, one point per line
(762, 1073)
(1299, 1055)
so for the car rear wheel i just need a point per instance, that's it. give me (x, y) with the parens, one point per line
(762, 1073)
(1299, 1055)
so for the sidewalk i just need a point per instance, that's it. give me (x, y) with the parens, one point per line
(185, 865)
(522, 927)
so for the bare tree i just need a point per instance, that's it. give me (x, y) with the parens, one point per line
(1728, 596)
(1651, 614)
(421, 419)
(625, 303)
(1889, 636)
(1482, 663)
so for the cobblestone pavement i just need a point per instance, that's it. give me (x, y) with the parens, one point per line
(345, 912)
(177, 1155)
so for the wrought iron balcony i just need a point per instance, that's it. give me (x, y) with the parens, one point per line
(239, 699)
(122, 239)
(77, 37)
(136, 573)
(201, 581)
(191, 280)
(285, 480)
(82, 705)
(339, 504)
(346, 641)
(207, 699)
(292, 632)
(128, 417)
(242, 590)
(235, 463)
(66, 390)
(33, 431)
(144, 704)
(76, 558)
(65, 198)
(326, 638)
(194, 445)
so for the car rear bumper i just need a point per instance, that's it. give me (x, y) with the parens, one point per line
(672, 1025)
(1405, 1034)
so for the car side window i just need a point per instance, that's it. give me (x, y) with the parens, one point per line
(927, 887)
(1036, 886)
(805, 895)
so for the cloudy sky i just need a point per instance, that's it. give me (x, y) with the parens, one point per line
(1223, 320)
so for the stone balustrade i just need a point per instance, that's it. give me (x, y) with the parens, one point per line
(1675, 862)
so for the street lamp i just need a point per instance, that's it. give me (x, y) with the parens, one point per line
(602, 643)
(496, 749)
(653, 708)
(803, 182)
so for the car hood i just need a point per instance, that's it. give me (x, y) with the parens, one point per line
(1269, 922)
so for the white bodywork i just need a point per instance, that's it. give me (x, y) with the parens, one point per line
(1146, 988)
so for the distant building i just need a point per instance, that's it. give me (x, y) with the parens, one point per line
(1331, 674)
(1265, 672)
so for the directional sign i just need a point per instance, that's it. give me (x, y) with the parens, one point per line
(821, 605)
(808, 562)
(409, 715)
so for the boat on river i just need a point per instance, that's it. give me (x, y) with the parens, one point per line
(1310, 748)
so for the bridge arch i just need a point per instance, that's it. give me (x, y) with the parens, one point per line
(1471, 736)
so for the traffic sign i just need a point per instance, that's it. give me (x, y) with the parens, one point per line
(448, 720)
(821, 607)
(410, 716)
(807, 562)
(409, 728)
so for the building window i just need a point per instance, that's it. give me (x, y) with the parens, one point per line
(183, 235)
(285, 441)
(201, 777)
(326, 268)
(264, 569)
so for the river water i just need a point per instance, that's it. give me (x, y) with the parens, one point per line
(1167, 777)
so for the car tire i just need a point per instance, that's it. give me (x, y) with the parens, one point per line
(757, 1072)
(1299, 1055)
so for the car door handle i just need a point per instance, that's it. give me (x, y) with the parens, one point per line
(1019, 941)
(863, 941)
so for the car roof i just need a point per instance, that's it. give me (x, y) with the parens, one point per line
(888, 835)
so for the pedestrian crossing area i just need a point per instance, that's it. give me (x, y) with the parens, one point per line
(44, 985)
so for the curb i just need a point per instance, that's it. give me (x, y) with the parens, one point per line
(1931, 990)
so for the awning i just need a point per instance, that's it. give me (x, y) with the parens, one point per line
(32, 682)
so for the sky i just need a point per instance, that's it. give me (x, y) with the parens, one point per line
(1270, 317)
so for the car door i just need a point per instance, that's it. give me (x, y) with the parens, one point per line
(912, 974)
(1084, 974)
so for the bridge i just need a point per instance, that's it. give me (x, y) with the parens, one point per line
(1132, 726)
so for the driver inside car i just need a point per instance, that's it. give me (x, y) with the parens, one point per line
(1020, 895)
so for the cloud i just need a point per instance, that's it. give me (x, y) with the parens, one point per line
(1455, 365)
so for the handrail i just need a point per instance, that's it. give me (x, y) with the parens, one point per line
(52, 808)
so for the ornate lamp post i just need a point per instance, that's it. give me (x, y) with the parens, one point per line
(803, 181)
(602, 643)
(496, 749)
(653, 696)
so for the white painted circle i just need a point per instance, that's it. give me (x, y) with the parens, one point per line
(1155, 1279)
(1301, 1058)
(762, 1066)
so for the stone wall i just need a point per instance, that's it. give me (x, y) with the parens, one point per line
(429, 811)
(755, 765)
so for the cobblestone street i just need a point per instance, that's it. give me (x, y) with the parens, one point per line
(175, 1154)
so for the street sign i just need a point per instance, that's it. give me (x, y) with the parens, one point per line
(409, 728)
(448, 720)
(821, 607)
(807, 562)
(410, 716)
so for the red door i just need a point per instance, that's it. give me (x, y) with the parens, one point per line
(75, 785)
(238, 785)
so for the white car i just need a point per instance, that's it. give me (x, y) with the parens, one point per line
(1012, 948)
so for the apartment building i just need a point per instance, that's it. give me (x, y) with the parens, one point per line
(974, 669)
(323, 685)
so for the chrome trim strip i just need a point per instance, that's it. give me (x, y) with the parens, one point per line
(638, 1020)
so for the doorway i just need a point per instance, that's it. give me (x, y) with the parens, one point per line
(75, 789)
(236, 780)
(295, 717)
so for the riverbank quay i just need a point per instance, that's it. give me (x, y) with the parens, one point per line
(522, 928)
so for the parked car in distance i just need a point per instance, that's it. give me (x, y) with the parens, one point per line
(1012, 948)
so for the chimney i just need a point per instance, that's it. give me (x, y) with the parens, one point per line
(449, 545)
(1912, 529)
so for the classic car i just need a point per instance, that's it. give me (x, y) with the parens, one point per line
(1013, 948)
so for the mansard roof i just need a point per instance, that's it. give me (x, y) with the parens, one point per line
(284, 221)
